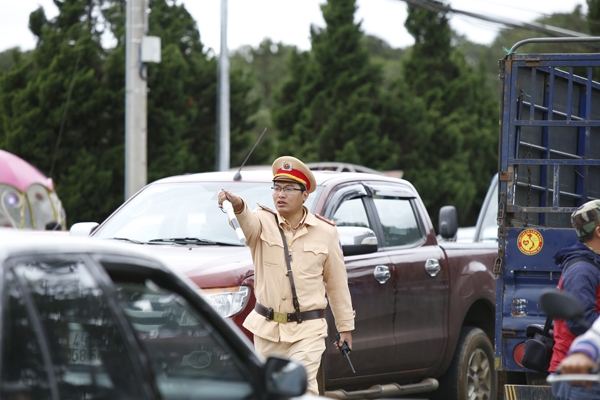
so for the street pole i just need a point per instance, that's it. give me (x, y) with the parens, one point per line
(135, 100)
(222, 156)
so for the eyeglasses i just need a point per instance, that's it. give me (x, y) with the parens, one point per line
(286, 190)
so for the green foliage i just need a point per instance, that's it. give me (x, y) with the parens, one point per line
(266, 66)
(430, 110)
(37, 21)
(326, 111)
(430, 114)
(387, 58)
(456, 130)
(62, 109)
(52, 108)
(593, 17)
(86, 181)
(10, 57)
(183, 105)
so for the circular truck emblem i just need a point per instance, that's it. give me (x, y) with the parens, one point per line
(530, 242)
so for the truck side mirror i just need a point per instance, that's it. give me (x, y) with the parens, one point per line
(357, 240)
(448, 222)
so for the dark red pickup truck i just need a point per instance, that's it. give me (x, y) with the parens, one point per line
(424, 310)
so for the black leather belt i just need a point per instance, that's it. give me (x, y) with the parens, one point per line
(284, 318)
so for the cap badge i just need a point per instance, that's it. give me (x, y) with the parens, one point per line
(287, 166)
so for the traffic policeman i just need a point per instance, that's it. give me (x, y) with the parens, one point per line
(299, 265)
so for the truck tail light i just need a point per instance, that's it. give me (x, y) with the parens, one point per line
(518, 354)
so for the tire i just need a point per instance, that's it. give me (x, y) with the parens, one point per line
(471, 374)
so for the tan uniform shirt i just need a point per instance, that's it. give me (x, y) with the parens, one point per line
(317, 266)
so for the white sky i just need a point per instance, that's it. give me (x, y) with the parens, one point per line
(288, 21)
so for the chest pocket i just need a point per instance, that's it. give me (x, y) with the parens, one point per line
(313, 258)
(272, 249)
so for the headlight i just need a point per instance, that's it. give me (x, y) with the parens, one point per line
(227, 301)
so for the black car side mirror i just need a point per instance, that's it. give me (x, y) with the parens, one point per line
(285, 378)
(448, 222)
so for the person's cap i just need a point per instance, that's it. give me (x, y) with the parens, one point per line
(289, 168)
(586, 218)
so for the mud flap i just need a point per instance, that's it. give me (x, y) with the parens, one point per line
(527, 392)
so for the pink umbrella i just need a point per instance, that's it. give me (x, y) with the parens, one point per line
(19, 173)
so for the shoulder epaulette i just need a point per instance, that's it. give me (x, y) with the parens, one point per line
(330, 222)
(266, 209)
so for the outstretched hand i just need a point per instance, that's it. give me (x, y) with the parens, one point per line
(236, 201)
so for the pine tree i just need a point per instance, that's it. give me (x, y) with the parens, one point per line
(326, 111)
(456, 142)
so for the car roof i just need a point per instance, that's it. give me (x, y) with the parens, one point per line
(265, 175)
(16, 242)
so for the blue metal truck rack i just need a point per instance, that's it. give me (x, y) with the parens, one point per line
(549, 164)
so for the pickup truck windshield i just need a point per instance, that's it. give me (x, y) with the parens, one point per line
(166, 211)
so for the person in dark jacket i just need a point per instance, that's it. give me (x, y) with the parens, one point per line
(582, 280)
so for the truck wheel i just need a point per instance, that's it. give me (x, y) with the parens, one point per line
(471, 374)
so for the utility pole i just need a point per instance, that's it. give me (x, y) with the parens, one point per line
(135, 99)
(222, 156)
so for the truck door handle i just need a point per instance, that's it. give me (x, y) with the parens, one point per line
(432, 266)
(382, 274)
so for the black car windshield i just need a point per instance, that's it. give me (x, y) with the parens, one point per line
(184, 210)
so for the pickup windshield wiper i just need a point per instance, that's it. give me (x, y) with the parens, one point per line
(128, 240)
(189, 240)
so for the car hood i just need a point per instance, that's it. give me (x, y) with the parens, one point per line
(207, 265)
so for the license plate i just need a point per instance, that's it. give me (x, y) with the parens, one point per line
(81, 352)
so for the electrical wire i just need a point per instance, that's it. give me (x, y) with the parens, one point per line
(513, 8)
(534, 26)
(539, 14)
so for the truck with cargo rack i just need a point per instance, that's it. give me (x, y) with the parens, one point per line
(549, 164)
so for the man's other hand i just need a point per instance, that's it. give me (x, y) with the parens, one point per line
(578, 363)
(344, 337)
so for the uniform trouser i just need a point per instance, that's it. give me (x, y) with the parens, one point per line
(306, 351)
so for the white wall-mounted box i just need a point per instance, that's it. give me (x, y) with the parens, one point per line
(150, 49)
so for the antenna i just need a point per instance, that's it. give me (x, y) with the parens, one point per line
(238, 176)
